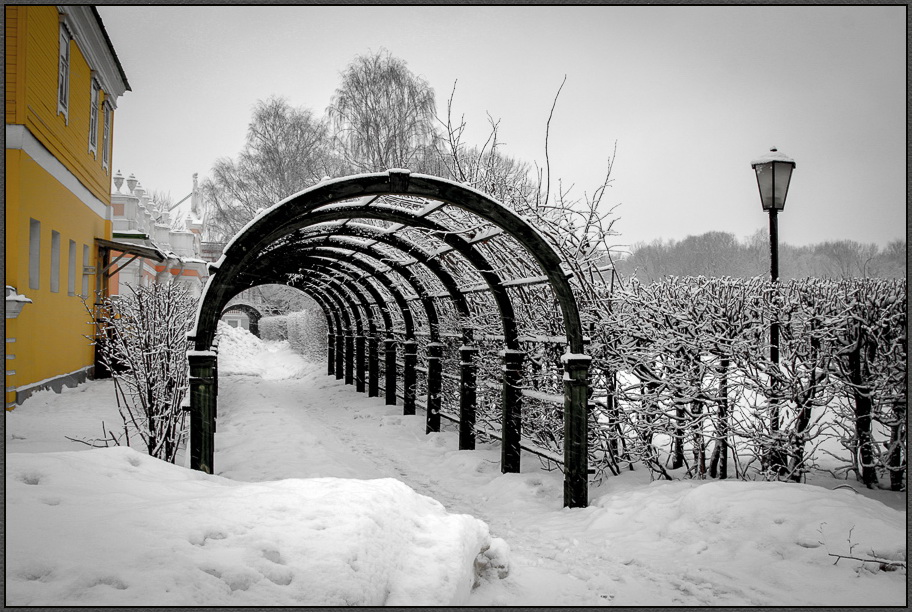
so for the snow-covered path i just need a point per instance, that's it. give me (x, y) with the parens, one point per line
(680, 543)
(357, 437)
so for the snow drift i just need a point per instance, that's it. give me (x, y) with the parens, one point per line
(116, 527)
(240, 352)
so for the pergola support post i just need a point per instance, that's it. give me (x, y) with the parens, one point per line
(340, 356)
(434, 385)
(511, 407)
(330, 353)
(373, 366)
(468, 398)
(389, 348)
(409, 375)
(359, 364)
(349, 358)
(203, 393)
(576, 426)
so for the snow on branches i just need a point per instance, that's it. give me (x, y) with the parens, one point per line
(686, 363)
(142, 340)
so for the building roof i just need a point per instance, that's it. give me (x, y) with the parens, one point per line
(149, 252)
(104, 32)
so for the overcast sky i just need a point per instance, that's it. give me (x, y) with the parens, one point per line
(689, 94)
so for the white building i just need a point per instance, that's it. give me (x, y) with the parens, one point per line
(159, 247)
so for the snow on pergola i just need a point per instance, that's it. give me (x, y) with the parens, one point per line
(434, 269)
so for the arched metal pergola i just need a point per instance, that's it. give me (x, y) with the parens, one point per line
(447, 278)
(252, 313)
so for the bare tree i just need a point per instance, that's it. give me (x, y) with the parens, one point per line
(891, 261)
(847, 258)
(578, 227)
(383, 115)
(142, 341)
(721, 254)
(287, 150)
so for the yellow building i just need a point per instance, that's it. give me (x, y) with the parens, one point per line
(63, 80)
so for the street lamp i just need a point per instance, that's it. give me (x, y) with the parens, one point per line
(774, 172)
(14, 302)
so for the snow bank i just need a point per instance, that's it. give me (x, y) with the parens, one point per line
(756, 543)
(757, 522)
(240, 352)
(115, 527)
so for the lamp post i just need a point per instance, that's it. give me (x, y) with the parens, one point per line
(14, 302)
(774, 172)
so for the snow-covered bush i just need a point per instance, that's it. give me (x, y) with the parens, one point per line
(274, 328)
(868, 346)
(142, 341)
(307, 334)
(683, 381)
(691, 367)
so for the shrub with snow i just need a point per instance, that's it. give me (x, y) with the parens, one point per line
(274, 328)
(142, 341)
(307, 334)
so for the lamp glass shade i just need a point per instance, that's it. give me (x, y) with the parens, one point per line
(774, 172)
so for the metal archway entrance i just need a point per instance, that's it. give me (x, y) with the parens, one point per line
(252, 313)
(427, 265)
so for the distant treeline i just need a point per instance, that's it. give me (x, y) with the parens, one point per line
(722, 254)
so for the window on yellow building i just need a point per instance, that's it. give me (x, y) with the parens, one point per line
(85, 277)
(71, 276)
(93, 117)
(63, 73)
(106, 136)
(34, 254)
(55, 261)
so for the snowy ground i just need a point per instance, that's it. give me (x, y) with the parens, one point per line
(256, 534)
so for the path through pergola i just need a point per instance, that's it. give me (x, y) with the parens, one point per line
(432, 291)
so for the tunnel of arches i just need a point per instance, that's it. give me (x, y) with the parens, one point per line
(435, 296)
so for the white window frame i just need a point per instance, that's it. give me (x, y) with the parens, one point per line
(94, 97)
(63, 73)
(106, 135)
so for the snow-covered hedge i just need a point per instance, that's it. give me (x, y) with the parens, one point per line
(683, 380)
(307, 334)
(304, 330)
(274, 327)
(688, 361)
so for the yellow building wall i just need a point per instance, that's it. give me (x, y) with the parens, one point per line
(13, 73)
(67, 138)
(50, 332)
